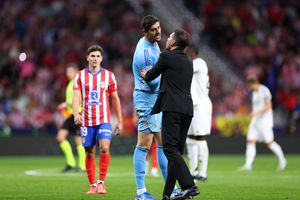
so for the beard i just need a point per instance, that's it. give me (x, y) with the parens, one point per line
(151, 38)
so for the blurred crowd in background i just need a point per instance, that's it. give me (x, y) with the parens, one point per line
(54, 34)
(261, 38)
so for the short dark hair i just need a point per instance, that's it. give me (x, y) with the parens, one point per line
(94, 48)
(251, 79)
(72, 65)
(182, 38)
(193, 48)
(148, 21)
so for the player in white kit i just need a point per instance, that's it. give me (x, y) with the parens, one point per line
(201, 123)
(261, 126)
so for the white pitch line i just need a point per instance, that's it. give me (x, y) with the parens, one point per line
(40, 172)
(56, 172)
(286, 177)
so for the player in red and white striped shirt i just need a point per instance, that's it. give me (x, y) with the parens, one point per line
(92, 87)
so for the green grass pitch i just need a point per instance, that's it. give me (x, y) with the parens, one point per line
(40, 178)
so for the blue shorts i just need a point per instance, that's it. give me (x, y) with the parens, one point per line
(90, 135)
(148, 123)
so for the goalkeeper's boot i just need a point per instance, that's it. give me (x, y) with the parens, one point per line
(144, 196)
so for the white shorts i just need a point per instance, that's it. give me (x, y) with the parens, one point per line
(260, 133)
(201, 122)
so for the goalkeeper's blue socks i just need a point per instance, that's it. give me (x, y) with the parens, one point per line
(162, 161)
(139, 163)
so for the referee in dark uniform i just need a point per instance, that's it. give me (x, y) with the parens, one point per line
(174, 100)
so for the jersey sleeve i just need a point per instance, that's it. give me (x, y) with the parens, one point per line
(112, 85)
(154, 83)
(268, 95)
(200, 66)
(157, 69)
(143, 60)
(196, 66)
(77, 82)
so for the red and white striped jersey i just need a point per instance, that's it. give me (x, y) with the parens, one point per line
(95, 90)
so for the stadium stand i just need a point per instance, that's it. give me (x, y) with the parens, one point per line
(261, 38)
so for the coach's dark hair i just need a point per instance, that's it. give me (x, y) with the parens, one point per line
(148, 21)
(194, 48)
(94, 48)
(182, 38)
(252, 79)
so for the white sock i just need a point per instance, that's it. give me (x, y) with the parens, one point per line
(250, 154)
(192, 150)
(147, 167)
(276, 149)
(203, 157)
(141, 191)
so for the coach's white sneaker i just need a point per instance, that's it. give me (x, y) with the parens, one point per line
(245, 168)
(282, 165)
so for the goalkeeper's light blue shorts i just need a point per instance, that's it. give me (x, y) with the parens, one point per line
(148, 123)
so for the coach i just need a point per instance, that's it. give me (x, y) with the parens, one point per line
(175, 101)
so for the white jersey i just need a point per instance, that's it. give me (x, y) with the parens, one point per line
(259, 100)
(201, 122)
(200, 82)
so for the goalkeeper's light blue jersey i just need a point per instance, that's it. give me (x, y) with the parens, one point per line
(146, 55)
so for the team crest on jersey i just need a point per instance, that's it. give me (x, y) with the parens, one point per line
(102, 84)
(94, 96)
